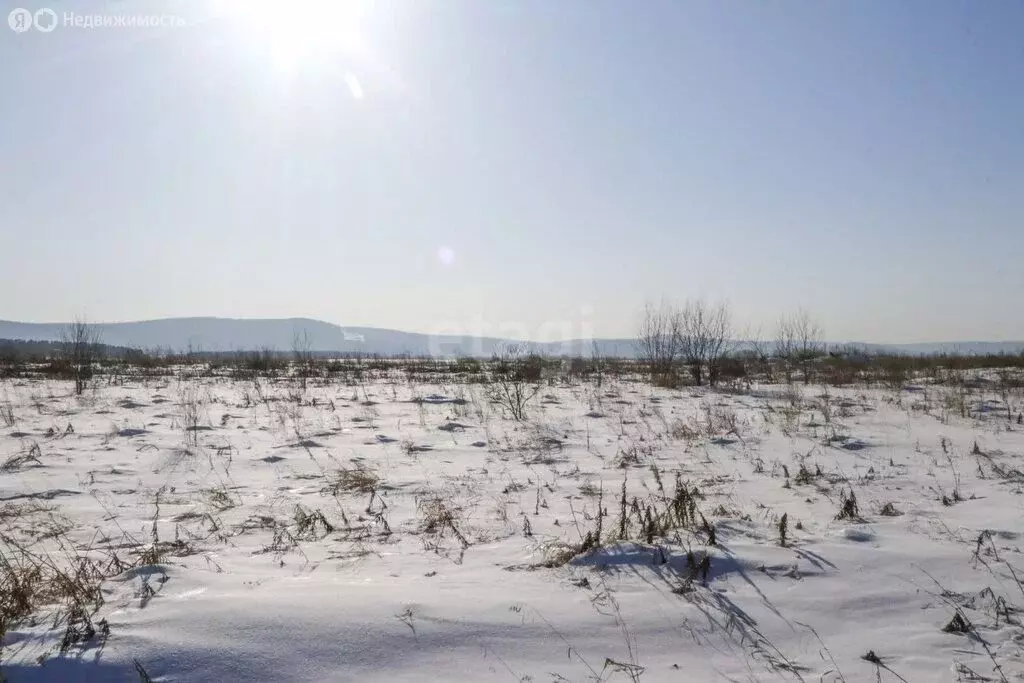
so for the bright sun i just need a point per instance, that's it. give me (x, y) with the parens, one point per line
(299, 30)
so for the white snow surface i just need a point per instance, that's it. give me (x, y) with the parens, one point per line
(242, 593)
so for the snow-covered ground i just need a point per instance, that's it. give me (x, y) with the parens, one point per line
(407, 532)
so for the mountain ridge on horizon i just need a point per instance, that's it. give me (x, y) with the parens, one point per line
(219, 334)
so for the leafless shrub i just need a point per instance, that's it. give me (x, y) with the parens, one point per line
(1008, 383)
(954, 399)
(657, 341)
(697, 334)
(705, 339)
(304, 358)
(760, 355)
(719, 420)
(798, 343)
(514, 381)
(683, 431)
(81, 343)
(189, 403)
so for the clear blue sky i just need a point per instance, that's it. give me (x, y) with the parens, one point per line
(534, 165)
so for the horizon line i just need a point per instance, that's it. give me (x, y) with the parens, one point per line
(476, 336)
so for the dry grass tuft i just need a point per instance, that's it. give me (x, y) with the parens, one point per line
(7, 414)
(359, 479)
(439, 516)
(23, 459)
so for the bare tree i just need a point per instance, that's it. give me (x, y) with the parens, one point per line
(515, 376)
(798, 343)
(1008, 383)
(760, 353)
(81, 344)
(705, 338)
(302, 354)
(597, 362)
(657, 340)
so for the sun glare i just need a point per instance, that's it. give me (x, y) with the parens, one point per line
(300, 30)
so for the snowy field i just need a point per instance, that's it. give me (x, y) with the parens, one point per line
(213, 530)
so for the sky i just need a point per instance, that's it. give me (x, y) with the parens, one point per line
(530, 168)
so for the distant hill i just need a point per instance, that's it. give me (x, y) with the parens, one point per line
(226, 334)
(229, 334)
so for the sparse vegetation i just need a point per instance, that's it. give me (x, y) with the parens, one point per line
(586, 478)
(82, 347)
(515, 381)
